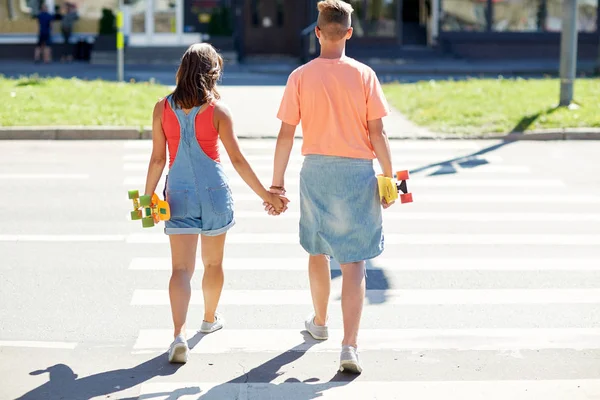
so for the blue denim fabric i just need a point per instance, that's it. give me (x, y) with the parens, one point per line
(340, 211)
(197, 188)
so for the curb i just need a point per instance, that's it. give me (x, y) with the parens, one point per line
(131, 133)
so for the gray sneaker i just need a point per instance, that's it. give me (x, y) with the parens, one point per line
(210, 327)
(316, 331)
(349, 361)
(179, 350)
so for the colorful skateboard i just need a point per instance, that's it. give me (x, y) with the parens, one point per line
(389, 188)
(150, 209)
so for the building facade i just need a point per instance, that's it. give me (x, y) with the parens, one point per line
(383, 28)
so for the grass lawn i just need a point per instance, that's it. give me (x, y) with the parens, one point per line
(472, 106)
(51, 102)
(495, 105)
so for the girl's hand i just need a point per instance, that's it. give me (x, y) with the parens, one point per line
(270, 206)
(277, 203)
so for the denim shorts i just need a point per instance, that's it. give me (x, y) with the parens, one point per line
(340, 211)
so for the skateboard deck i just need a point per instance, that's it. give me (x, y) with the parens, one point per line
(389, 188)
(149, 209)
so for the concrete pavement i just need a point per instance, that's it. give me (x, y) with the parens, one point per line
(489, 286)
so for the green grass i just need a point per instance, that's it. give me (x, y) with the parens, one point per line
(50, 102)
(495, 105)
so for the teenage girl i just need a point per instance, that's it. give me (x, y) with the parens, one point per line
(190, 121)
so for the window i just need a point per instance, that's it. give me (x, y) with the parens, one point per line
(374, 18)
(266, 13)
(587, 16)
(464, 15)
(20, 21)
(518, 15)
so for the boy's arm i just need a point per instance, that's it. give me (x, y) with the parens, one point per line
(381, 146)
(283, 149)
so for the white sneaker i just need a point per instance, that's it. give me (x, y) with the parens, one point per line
(316, 331)
(349, 361)
(179, 350)
(210, 327)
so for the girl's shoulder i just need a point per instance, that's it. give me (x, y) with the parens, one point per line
(159, 107)
(220, 109)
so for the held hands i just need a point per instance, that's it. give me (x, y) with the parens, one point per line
(277, 203)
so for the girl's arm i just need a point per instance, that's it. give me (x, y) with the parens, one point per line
(158, 159)
(224, 124)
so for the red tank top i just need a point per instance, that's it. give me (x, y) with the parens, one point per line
(206, 133)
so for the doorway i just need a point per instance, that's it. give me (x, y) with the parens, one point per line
(416, 15)
(273, 27)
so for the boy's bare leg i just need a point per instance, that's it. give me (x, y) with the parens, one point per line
(320, 286)
(37, 53)
(353, 297)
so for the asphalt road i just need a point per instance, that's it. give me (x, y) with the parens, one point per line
(489, 287)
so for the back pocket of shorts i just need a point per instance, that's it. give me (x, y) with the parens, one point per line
(178, 200)
(221, 199)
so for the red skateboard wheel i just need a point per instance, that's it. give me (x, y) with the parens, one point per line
(406, 198)
(402, 175)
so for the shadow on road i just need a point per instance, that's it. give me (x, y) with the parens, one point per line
(260, 379)
(64, 383)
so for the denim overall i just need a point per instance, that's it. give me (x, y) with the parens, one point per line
(196, 188)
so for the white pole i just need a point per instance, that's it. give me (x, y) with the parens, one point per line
(435, 20)
(179, 21)
(568, 52)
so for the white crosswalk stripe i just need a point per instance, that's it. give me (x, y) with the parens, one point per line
(474, 189)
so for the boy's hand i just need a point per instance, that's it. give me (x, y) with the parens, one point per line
(276, 204)
(270, 207)
(385, 204)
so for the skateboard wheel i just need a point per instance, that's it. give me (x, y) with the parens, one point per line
(133, 194)
(406, 198)
(137, 214)
(148, 222)
(145, 201)
(402, 175)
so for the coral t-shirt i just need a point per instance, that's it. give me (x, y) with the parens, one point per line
(334, 99)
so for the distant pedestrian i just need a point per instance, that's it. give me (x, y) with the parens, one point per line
(341, 105)
(68, 20)
(44, 43)
(190, 122)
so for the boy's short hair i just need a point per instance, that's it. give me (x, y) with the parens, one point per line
(334, 18)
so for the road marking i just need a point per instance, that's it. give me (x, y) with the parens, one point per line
(458, 198)
(399, 158)
(394, 144)
(388, 264)
(38, 344)
(292, 238)
(449, 216)
(430, 182)
(278, 340)
(62, 238)
(406, 239)
(571, 389)
(391, 297)
(26, 176)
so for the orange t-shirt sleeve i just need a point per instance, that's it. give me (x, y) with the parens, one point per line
(289, 110)
(377, 105)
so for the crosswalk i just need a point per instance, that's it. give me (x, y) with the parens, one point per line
(494, 263)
